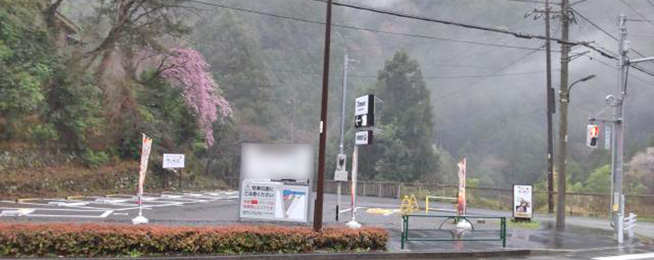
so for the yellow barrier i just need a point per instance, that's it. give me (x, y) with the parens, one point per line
(409, 204)
(454, 199)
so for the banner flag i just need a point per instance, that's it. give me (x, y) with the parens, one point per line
(145, 154)
(461, 198)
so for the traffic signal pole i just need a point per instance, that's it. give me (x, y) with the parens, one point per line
(618, 134)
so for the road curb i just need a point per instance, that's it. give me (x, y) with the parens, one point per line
(339, 256)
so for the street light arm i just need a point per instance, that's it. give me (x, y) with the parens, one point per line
(580, 80)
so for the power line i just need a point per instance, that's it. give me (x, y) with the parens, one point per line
(459, 24)
(448, 95)
(363, 28)
(636, 11)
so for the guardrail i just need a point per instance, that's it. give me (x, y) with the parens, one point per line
(455, 228)
(629, 224)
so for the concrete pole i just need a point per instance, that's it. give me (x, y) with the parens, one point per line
(563, 128)
(618, 133)
(355, 164)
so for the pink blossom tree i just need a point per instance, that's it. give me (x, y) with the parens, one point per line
(186, 67)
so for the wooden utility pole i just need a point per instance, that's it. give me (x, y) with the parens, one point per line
(317, 214)
(563, 120)
(550, 110)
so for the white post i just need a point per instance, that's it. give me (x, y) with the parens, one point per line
(355, 164)
(338, 199)
(140, 219)
(632, 224)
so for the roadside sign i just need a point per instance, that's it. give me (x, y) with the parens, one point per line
(262, 199)
(364, 111)
(276, 182)
(522, 202)
(340, 176)
(363, 137)
(171, 161)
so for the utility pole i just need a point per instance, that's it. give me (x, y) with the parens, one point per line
(550, 103)
(563, 120)
(317, 214)
(346, 62)
(618, 132)
(549, 112)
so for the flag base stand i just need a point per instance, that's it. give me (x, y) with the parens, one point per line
(353, 224)
(139, 220)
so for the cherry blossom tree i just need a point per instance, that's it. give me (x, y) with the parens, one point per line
(187, 68)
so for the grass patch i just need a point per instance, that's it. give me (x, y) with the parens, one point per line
(523, 224)
(646, 218)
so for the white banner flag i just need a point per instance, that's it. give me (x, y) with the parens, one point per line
(145, 154)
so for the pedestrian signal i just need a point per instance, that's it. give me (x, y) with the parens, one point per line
(592, 134)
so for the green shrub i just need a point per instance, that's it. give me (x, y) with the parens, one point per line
(92, 240)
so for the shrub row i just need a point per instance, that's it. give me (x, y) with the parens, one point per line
(91, 240)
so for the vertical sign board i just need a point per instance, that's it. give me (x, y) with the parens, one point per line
(522, 202)
(173, 161)
(364, 111)
(276, 182)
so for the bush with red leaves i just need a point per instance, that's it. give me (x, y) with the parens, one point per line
(91, 240)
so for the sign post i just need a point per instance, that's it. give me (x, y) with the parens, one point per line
(174, 161)
(522, 202)
(364, 119)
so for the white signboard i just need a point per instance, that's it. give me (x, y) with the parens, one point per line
(363, 137)
(261, 199)
(171, 161)
(522, 202)
(277, 161)
(361, 105)
(276, 181)
(340, 175)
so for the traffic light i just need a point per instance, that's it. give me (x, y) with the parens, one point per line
(592, 134)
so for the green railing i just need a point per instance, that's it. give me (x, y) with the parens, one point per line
(448, 225)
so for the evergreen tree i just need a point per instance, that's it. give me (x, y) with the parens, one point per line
(404, 149)
(236, 62)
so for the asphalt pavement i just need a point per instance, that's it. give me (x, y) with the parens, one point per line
(221, 207)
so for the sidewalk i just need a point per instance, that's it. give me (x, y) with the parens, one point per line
(546, 238)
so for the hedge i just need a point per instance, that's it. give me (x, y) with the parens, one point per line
(91, 240)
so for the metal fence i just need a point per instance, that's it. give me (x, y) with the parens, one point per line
(578, 204)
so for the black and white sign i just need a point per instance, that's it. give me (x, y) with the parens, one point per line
(364, 111)
(172, 161)
(363, 137)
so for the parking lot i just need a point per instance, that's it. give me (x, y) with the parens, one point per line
(116, 207)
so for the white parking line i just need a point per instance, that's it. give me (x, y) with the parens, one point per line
(123, 203)
(626, 257)
(349, 209)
